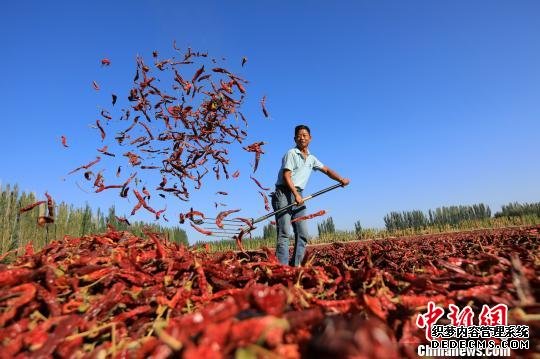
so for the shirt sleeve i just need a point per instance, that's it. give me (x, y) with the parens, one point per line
(288, 161)
(317, 165)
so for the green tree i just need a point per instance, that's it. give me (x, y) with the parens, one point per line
(516, 209)
(86, 220)
(357, 227)
(326, 227)
(269, 231)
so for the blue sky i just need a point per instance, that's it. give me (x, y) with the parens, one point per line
(421, 104)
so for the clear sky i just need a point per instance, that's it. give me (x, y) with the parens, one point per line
(421, 104)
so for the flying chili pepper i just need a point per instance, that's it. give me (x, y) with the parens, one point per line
(265, 198)
(309, 216)
(104, 151)
(50, 205)
(158, 213)
(146, 193)
(106, 114)
(263, 106)
(241, 89)
(31, 206)
(87, 166)
(222, 215)
(259, 184)
(193, 213)
(197, 74)
(64, 141)
(256, 148)
(43, 220)
(201, 230)
(134, 158)
(101, 130)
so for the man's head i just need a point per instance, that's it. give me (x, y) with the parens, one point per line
(302, 136)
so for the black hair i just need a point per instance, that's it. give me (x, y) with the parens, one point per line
(301, 127)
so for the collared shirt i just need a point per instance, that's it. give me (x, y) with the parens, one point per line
(300, 168)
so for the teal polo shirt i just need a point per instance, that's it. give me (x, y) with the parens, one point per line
(300, 168)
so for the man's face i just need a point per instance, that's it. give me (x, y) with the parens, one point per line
(302, 139)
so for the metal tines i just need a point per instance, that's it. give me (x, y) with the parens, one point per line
(231, 227)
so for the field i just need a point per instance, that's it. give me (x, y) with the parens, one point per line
(119, 295)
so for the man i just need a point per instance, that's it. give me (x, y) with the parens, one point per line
(296, 167)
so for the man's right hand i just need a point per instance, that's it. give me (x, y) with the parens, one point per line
(299, 200)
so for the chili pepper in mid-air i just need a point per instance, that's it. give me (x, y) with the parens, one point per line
(201, 230)
(104, 151)
(122, 220)
(221, 216)
(309, 216)
(259, 184)
(101, 130)
(31, 206)
(256, 148)
(87, 166)
(106, 115)
(265, 198)
(263, 106)
(50, 205)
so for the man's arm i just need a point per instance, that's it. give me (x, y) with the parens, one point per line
(288, 181)
(334, 175)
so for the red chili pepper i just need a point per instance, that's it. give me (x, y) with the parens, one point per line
(221, 216)
(309, 216)
(31, 206)
(20, 295)
(12, 276)
(201, 230)
(259, 184)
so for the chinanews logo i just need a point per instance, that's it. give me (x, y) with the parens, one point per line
(490, 335)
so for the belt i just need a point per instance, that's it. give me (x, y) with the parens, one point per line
(284, 188)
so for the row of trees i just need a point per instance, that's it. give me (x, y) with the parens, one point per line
(17, 230)
(454, 215)
(519, 209)
(441, 216)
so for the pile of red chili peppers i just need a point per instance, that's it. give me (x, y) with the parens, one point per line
(118, 295)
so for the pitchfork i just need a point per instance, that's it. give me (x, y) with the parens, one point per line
(233, 227)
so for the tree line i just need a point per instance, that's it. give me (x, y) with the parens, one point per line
(454, 215)
(17, 230)
(440, 217)
(516, 209)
